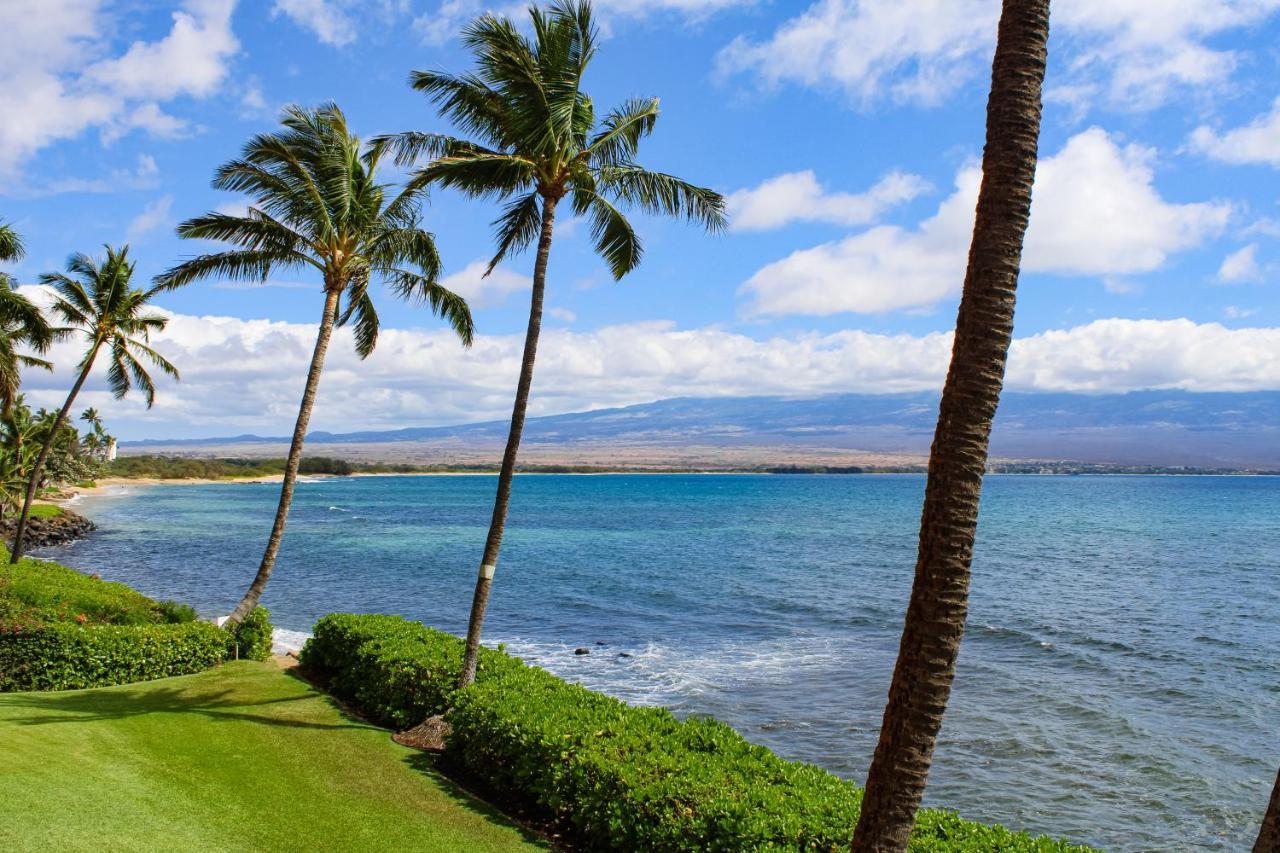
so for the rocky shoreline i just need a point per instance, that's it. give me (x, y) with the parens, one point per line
(44, 532)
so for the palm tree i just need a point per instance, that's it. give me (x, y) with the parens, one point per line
(317, 205)
(539, 142)
(1269, 836)
(984, 326)
(21, 324)
(96, 298)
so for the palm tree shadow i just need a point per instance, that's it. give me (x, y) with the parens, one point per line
(221, 703)
(426, 764)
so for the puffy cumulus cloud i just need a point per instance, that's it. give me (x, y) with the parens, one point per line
(1095, 211)
(242, 375)
(58, 79)
(483, 291)
(1240, 265)
(1133, 54)
(798, 197)
(1256, 142)
(1130, 355)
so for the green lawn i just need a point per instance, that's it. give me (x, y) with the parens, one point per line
(45, 510)
(244, 757)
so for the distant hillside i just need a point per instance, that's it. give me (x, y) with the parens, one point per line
(1149, 427)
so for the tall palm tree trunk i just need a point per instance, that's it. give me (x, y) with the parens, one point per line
(325, 332)
(984, 327)
(498, 523)
(33, 484)
(1269, 836)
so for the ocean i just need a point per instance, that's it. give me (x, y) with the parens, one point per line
(1119, 682)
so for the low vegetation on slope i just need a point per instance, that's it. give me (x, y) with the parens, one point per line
(243, 757)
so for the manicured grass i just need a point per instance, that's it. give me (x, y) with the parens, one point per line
(45, 510)
(244, 757)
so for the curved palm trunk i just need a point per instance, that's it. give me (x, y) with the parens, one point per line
(493, 544)
(33, 483)
(984, 326)
(268, 563)
(1269, 836)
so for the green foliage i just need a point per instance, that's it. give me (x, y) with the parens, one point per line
(613, 776)
(47, 592)
(188, 468)
(63, 630)
(68, 656)
(397, 672)
(175, 612)
(251, 639)
(46, 511)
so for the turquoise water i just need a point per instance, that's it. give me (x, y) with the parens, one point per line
(1119, 682)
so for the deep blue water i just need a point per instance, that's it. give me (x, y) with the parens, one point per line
(1119, 682)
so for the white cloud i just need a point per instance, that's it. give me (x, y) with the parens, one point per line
(562, 314)
(798, 197)
(1133, 54)
(1240, 265)
(873, 49)
(483, 291)
(1095, 211)
(1256, 142)
(329, 21)
(247, 374)
(154, 215)
(1234, 312)
(58, 79)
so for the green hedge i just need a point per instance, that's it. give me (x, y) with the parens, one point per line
(67, 656)
(251, 639)
(611, 775)
(397, 672)
(63, 630)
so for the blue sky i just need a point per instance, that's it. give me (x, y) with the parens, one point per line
(845, 133)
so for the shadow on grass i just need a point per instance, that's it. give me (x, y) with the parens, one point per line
(425, 763)
(80, 706)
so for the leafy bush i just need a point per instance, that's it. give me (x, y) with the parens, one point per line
(63, 630)
(62, 656)
(398, 672)
(48, 592)
(175, 612)
(251, 639)
(613, 776)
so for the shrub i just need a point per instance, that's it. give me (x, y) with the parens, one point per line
(53, 593)
(251, 639)
(397, 672)
(69, 656)
(62, 630)
(175, 612)
(611, 775)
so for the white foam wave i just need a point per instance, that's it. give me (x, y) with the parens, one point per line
(284, 641)
(659, 674)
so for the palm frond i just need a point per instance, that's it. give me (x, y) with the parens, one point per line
(444, 303)
(615, 240)
(11, 246)
(660, 193)
(516, 228)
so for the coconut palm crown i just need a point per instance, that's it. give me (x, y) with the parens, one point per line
(316, 205)
(537, 137)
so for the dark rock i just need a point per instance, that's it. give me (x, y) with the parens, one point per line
(624, 654)
(45, 532)
(581, 651)
(601, 643)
